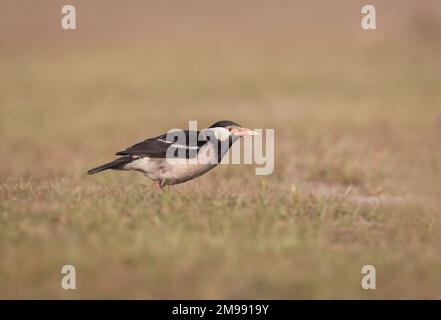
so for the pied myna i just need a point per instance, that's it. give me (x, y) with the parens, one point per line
(179, 155)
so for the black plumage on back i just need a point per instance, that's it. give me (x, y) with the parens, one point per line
(157, 147)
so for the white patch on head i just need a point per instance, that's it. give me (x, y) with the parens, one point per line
(220, 133)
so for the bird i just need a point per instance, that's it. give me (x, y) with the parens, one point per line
(179, 155)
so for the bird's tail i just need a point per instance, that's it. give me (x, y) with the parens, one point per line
(115, 164)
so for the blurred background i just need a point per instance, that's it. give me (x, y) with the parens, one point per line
(355, 113)
(132, 70)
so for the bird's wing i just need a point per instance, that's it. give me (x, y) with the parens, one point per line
(180, 143)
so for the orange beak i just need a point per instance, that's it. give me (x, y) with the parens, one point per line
(243, 132)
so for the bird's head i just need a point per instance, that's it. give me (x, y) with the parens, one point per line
(225, 129)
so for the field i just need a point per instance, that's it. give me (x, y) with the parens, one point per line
(357, 120)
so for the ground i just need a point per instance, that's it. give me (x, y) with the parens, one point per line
(357, 122)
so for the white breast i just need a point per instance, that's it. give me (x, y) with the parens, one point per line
(173, 170)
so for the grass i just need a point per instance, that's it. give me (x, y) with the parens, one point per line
(138, 243)
(356, 181)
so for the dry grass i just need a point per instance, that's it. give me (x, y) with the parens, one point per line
(357, 117)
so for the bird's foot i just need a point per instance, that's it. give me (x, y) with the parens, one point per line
(158, 185)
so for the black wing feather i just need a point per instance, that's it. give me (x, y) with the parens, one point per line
(157, 147)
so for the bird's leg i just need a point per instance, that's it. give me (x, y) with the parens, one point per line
(158, 185)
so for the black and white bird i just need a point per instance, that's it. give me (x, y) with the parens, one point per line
(179, 155)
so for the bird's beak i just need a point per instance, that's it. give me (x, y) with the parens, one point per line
(244, 132)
